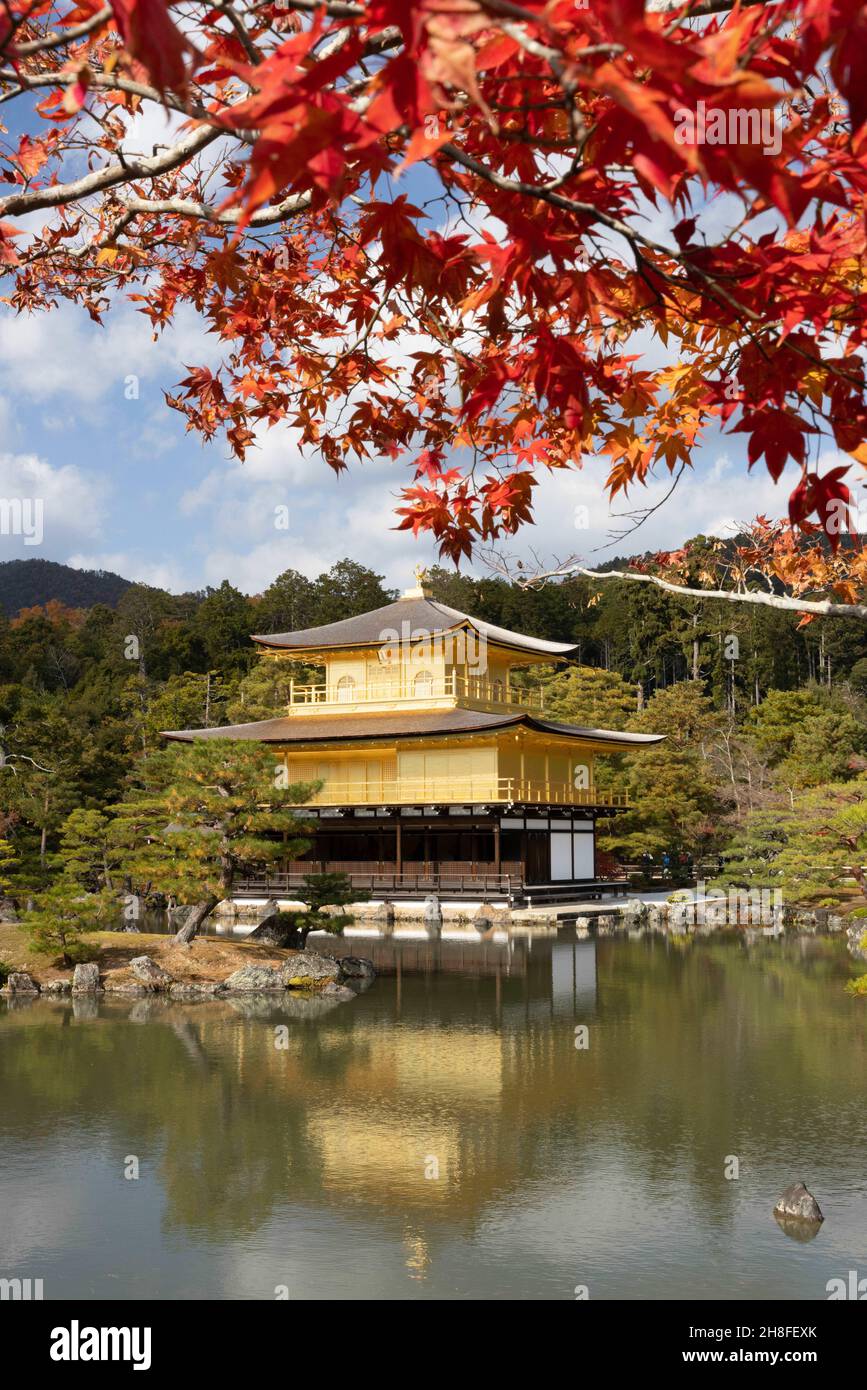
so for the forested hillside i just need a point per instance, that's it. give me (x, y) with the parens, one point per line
(28, 583)
(762, 713)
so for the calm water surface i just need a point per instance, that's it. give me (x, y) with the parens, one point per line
(305, 1166)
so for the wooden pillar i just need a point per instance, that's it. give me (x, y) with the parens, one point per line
(496, 846)
(398, 848)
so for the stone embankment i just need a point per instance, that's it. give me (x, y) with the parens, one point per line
(688, 914)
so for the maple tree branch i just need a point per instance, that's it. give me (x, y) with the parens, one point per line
(58, 39)
(137, 167)
(187, 207)
(102, 81)
(824, 608)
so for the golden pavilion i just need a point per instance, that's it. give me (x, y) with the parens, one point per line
(439, 774)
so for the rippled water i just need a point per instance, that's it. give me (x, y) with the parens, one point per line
(308, 1166)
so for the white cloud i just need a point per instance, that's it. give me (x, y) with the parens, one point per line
(71, 504)
(61, 353)
(162, 574)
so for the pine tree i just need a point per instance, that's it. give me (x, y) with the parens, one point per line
(589, 696)
(63, 915)
(8, 862)
(85, 851)
(205, 813)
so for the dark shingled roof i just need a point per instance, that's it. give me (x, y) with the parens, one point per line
(423, 616)
(334, 727)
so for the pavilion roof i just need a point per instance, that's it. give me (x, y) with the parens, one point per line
(434, 723)
(420, 618)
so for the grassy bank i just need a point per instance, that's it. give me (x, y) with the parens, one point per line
(203, 960)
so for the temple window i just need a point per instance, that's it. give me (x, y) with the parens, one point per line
(422, 686)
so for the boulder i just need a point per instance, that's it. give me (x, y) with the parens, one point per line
(857, 939)
(252, 978)
(309, 970)
(85, 978)
(798, 1202)
(275, 928)
(357, 968)
(606, 923)
(131, 989)
(19, 982)
(341, 992)
(494, 915)
(8, 912)
(382, 916)
(635, 914)
(57, 987)
(149, 974)
(194, 989)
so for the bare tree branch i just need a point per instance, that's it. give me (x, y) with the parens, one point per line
(824, 608)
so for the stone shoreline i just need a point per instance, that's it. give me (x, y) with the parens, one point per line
(301, 973)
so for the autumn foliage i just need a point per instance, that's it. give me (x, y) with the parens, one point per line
(453, 232)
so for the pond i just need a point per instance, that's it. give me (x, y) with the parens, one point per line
(443, 1136)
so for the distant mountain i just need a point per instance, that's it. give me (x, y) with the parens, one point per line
(25, 583)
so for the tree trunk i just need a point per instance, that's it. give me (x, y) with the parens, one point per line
(190, 928)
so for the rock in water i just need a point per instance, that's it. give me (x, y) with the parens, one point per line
(85, 978)
(307, 970)
(252, 978)
(382, 916)
(341, 992)
(798, 1202)
(276, 928)
(194, 989)
(19, 982)
(148, 973)
(356, 968)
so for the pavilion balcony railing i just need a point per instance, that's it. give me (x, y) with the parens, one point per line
(415, 691)
(412, 882)
(373, 791)
(464, 868)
